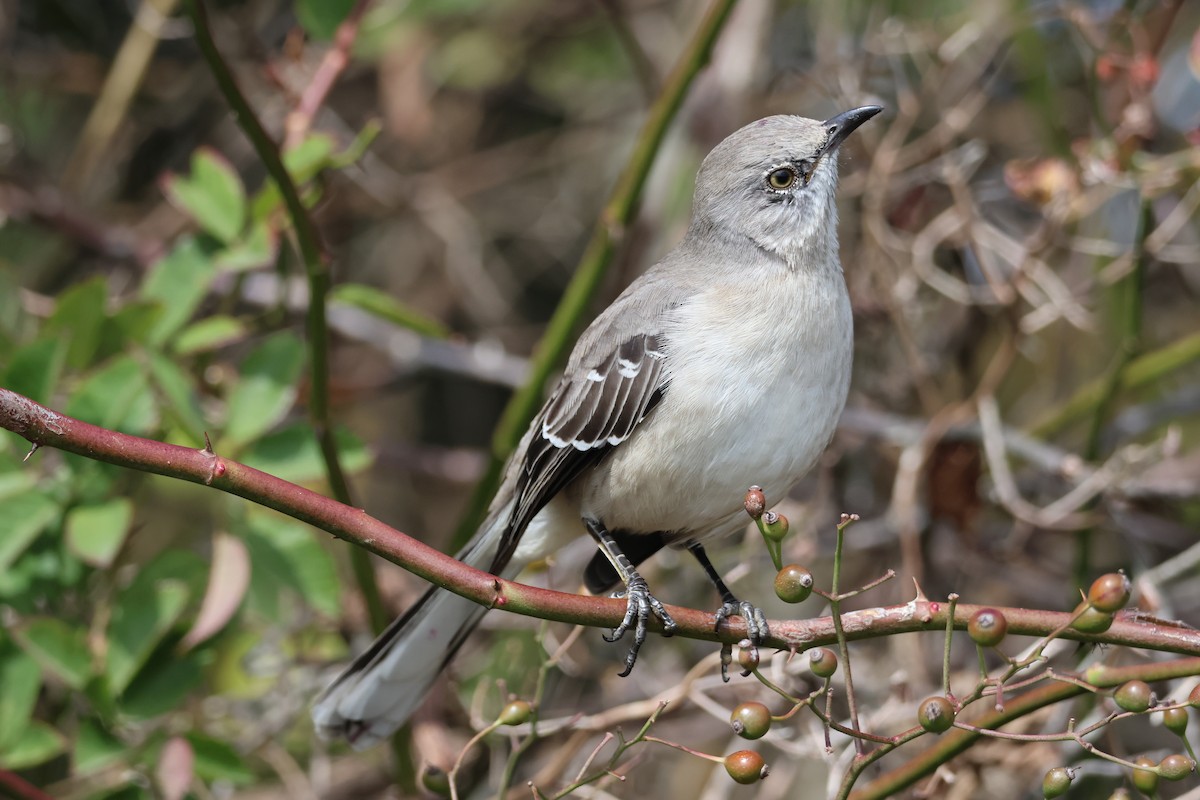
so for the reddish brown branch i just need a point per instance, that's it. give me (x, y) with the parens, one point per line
(47, 428)
(299, 120)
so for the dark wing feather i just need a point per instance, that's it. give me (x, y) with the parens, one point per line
(593, 410)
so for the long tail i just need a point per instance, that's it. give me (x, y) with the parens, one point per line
(383, 686)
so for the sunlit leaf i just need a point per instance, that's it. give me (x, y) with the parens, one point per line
(287, 554)
(20, 680)
(266, 388)
(257, 248)
(37, 745)
(292, 453)
(26, 515)
(178, 283)
(95, 532)
(217, 760)
(212, 194)
(141, 617)
(115, 396)
(95, 748)
(208, 334)
(57, 647)
(382, 305)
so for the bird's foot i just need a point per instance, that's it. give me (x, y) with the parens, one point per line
(640, 606)
(756, 625)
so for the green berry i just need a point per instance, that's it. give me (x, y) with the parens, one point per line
(1092, 620)
(936, 714)
(1109, 593)
(1056, 782)
(793, 584)
(1133, 696)
(823, 662)
(1144, 780)
(1176, 720)
(1194, 696)
(987, 627)
(515, 713)
(751, 720)
(1176, 767)
(435, 780)
(746, 766)
(774, 525)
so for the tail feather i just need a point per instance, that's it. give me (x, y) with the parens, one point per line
(385, 684)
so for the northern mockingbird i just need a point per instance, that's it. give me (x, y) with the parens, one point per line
(724, 365)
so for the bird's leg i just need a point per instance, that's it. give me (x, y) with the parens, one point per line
(756, 620)
(640, 605)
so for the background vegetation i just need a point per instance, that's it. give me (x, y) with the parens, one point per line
(1019, 235)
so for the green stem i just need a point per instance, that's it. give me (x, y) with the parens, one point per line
(316, 269)
(835, 613)
(608, 233)
(1128, 300)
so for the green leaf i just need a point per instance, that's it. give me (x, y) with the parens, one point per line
(77, 318)
(181, 406)
(217, 760)
(303, 163)
(95, 532)
(95, 748)
(20, 680)
(25, 517)
(322, 17)
(258, 248)
(380, 304)
(265, 389)
(229, 675)
(212, 194)
(210, 333)
(292, 454)
(35, 368)
(143, 614)
(57, 647)
(39, 744)
(115, 396)
(162, 686)
(287, 554)
(178, 283)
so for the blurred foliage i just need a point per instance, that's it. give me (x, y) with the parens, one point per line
(1022, 227)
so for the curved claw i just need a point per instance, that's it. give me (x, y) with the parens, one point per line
(640, 605)
(756, 625)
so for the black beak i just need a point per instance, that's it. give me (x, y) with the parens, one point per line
(844, 124)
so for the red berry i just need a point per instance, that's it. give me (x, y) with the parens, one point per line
(1109, 593)
(746, 766)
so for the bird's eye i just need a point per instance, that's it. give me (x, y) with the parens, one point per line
(781, 178)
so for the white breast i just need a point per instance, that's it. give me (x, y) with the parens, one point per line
(759, 373)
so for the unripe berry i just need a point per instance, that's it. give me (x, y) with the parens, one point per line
(793, 584)
(1176, 720)
(1194, 696)
(936, 714)
(1176, 767)
(823, 662)
(987, 627)
(515, 713)
(1109, 593)
(774, 525)
(1092, 620)
(746, 766)
(435, 780)
(1144, 780)
(1133, 696)
(1056, 782)
(751, 720)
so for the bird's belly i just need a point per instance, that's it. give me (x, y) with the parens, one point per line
(688, 467)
